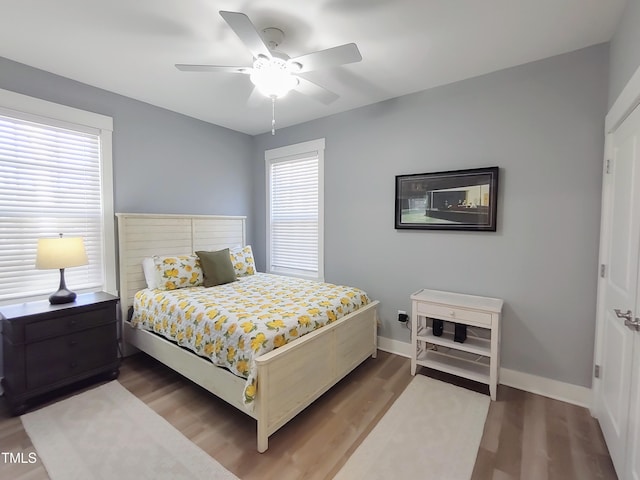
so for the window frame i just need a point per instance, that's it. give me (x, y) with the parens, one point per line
(28, 108)
(283, 154)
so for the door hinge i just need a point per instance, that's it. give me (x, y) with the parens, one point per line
(607, 167)
(596, 371)
(603, 270)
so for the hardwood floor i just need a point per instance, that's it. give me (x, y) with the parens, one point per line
(526, 436)
(531, 437)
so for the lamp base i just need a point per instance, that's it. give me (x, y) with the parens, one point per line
(62, 296)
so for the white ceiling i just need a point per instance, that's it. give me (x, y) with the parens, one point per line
(130, 46)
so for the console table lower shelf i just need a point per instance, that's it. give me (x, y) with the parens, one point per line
(453, 362)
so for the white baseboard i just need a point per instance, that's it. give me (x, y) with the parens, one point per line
(566, 392)
(394, 346)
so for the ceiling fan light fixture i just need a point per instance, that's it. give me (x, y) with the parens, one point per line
(273, 76)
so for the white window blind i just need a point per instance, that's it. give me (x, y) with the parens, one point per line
(50, 183)
(294, 217)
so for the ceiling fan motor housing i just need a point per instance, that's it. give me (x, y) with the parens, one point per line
(273, 37)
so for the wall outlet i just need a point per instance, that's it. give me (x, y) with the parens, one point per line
(402, 316)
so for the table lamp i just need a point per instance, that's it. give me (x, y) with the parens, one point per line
(61, 253)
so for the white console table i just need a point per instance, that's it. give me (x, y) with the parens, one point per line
(478, 357)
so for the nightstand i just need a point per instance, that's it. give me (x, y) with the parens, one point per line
(478, 357)
(46, 346)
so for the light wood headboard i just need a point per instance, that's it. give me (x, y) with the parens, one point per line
(143, 235)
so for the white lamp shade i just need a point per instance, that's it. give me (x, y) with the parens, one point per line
(63, 252)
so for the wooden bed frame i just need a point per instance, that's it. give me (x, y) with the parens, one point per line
(291, 377)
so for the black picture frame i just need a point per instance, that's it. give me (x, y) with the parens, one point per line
(452, 200)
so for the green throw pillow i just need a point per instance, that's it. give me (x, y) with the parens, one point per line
(217, 267)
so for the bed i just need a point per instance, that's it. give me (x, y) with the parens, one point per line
(289, 378)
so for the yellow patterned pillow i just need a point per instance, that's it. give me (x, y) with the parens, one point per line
(178, 271)
(242, 259)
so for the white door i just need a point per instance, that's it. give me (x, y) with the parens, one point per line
(633, 445)
(619, 296)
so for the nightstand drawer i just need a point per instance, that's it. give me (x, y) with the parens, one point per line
(70, 323)
(453, 314)
(63, 357)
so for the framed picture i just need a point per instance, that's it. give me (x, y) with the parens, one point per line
(454, 200)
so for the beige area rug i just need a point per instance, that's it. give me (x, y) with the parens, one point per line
(432, 431)
(108, 433)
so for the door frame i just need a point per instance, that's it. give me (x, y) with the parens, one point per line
(626, 102)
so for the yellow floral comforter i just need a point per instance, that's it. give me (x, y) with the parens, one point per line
(233, 324)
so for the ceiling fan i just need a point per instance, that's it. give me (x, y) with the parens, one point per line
(274, 73)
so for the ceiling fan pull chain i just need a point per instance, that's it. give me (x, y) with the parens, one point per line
(273, 115)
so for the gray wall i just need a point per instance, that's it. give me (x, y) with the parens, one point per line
(542, 123)
(163, 162)
(624, 50)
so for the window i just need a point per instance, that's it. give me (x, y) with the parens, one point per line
(55, 177)
(295, 222)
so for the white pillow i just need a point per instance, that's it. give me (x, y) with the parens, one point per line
(149, 269)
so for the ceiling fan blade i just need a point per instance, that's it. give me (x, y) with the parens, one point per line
(331, 57)
(315, 91)
(247, 32)
(212, 68)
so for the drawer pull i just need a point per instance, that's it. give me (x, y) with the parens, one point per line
(73, 364)
(72, 323)
(453, 313)
(73, 343)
